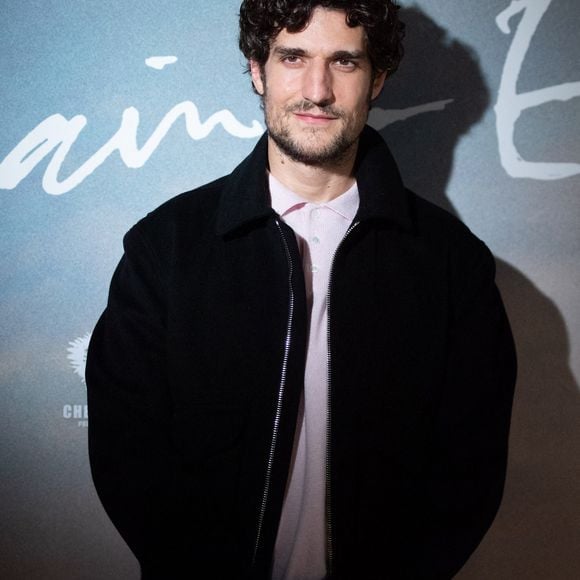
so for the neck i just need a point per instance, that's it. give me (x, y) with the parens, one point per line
(316, 183)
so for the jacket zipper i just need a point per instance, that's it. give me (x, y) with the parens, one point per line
(281, 389)
(329, 537)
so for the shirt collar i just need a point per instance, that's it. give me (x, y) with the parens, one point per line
(284, 200)
(245, 200)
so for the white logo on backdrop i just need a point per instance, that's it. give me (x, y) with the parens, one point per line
(511, 104)
(77, 354)
(77, 357)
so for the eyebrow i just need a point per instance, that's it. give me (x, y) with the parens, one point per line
(349, 55)
(338, 55)
(288, 51)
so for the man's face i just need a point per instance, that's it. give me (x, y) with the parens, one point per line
(316, 87)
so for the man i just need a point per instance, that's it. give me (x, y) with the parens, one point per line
(304, 371)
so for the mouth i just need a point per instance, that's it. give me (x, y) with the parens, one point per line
(315, 118)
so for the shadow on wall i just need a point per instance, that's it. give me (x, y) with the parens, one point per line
(536, 534)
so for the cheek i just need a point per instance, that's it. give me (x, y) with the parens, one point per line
(279, 98)
(357, 106)
(286, 83)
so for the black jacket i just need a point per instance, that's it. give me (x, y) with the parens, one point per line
(195, 370)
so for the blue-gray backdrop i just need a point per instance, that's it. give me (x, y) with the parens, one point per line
(109, 108)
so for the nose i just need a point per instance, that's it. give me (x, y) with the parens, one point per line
(317, 84)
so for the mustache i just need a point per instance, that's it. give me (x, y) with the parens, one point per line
(306, 106)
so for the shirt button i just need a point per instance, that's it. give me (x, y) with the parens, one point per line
(315, 240)
(314, 268)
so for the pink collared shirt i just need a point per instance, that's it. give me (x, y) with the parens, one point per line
(300, 551)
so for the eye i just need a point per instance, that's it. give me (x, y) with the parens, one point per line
(346, 63)
(291, 59)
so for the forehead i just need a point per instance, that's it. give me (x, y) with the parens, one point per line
(327, 32)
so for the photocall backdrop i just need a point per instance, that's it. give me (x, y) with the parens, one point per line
(110, 108)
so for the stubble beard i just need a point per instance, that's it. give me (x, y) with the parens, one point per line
(311, 151)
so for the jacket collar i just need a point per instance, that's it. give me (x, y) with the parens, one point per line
(245, 196)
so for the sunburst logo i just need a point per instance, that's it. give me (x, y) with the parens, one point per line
(77, 354)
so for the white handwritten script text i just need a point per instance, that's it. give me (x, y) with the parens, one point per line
(56, 134)
(59, 133)
(510, 104)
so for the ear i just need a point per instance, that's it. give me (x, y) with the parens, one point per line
(256, 72)
(378, 83)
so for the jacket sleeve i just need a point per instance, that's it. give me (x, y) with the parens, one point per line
(473, 416)
(132, 461)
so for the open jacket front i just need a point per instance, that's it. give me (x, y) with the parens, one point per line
(195, 371)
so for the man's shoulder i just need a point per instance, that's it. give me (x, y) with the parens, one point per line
(193, 207)
(443, 230)
(191, 213)
(179, 224)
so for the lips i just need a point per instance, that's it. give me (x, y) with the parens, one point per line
(314, 118)
(310, 115)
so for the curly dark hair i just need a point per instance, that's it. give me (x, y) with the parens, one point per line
(262, 20)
